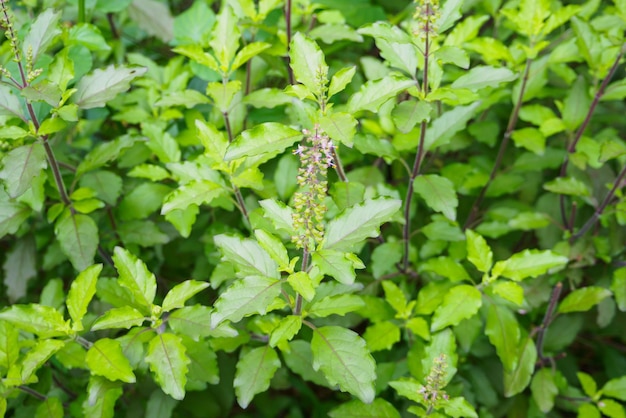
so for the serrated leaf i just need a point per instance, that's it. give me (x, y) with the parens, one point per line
(381, 336)
(503, 332)
(448, 124)
(105, 358)
(254, 371)
(286, 329)
(247, 53)
(81, 292)
(159, 405)
(273, 246)
(266, 138)
(337, 264)
(528, 263)
(508, 290)
(340, 127)
(41, 33)
(179, 294)
(225, 39)
(124, 317)
(247, 296)
(380, 408)
(169, 363)
(12, 215)
(358, 223)
(203, 367)
(343, 358)
(484, 76)
(307, 62)
(95, 89)
(301, 282)
(335, 305)
(517, 380)
(44, 321)
(10, 103)
(78, 236)
(247, 256)
(460, 303)
(615, 388)
(299, 359)
(374, 93)
(340, 80)
(101, 397)
(9, 345)
(195, 322)
(154, 17)
(438, 193)
(135, 276)
(581, 300)
(37, 356)
(20, 166)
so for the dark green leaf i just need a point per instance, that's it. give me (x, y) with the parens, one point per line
(19, 267)
(439, 194)
(517, 380)
(380, 408)
(255, 368)
(20, 166)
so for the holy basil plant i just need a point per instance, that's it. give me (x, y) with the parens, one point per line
(348, 208)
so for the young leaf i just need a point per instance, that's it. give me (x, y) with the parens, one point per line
(266, 138)
(381, 336)
(301, 282)
(135, 276)
(581, 300)
(196, 192)
(337, 264)
(247, 256)
(9, 345)
(517, 379)
(20, 166)
(343, 358)
(478, 251)
(615, 388)
(124, 317)
(335, 305)
(528, 263)
(247, 53)
(439, 194)
(339, 126)
(180, 293)
(448, 124)
(168, 362)
(104, 85)
(44, 321)
(12, 215)
(225, 40)
(250, 295)
(195, 322)
(286, 329)
(576, 104)
(380, 408)
(81, 292)
(254, 371)
(10, 104)
(374, 93)
(446, 267)
(101, 397)
(78, 236)
(484, 76)
(50, 408)
(307, 62)
(41, 33)
(273, 246)
(105, 358)
(37, 356)
(340, 80)
(503, 332)
(460, 303)
(544, 389)
(358, 223)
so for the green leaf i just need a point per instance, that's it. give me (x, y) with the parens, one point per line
(335, 305)
(503, 332)
(159, 405)
(9, 345)
(266, 138)
(567, 185)
(10, 103)
(374, 93)
(286, 329)
(180, 293)
(338, 265)
(307, 62)
(381, 336)
(12, 215)
(395, 297)
(448, 124)
(153, 17)
(104, 153)
(460, 303)
(517, 380)
(581, 300)
(273, 246)
(484, 76)
(255, 369)
(409, 113)
(301, 282)
(105, 358)
(612, 409)
(203, 367)
(101, 397)
(81, 292)
(89, 36)
(101, 86)
(168, 362)
(438, 193)
(299, 359)
(195, 322)
(588, 384)
(20, 166)
(544, 390)
(446, 267)
(43, 321)
(247, 296)
(20, 267)
(247, 53)
(343, 358)
(508, 290)
(124, 317)
(50, 408)
(615, 388)
(78, 236)
(530, 138)
(350, 229)
(576, 104)
(247, 256)
(340, 80)
(340, 127)
(225, 39)
(41, 33)
(528, 263)
(37, 356)
(135, 276)
(380, 408)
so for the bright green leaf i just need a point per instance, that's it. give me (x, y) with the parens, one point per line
(439, 194)
(581, 300)
(307, 62)
(517, 380)
(381, 336)
(544, 390)
(528, 263)
(81, 292)
(460, 303)
(254, 371)
(484, 76)
(135, 276)
(266, 138)
(43, 321)
(105, 358)
(374, 93)
(179, 294)
(124, 317)
(169, 363)
(380, 408)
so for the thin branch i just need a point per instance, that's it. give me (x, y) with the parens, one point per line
(572, 146)
(288, 11)
(503, 146)
(547, 319)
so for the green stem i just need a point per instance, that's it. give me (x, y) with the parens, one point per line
(305, 266)
(81, 11)
(288, 10)
(503, 146)
(241, 204)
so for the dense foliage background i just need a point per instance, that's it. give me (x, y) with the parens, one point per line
(347, 208)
